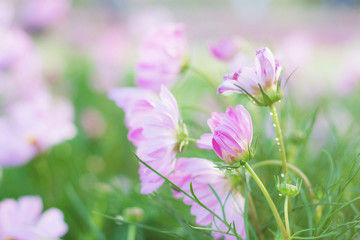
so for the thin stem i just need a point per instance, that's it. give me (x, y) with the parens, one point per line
(131, 232)
(292, 168)
(286, 213)
(269, 200)
(280, 138)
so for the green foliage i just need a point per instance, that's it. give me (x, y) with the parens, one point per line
(94, 181)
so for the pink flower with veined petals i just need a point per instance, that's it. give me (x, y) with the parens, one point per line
(161, 57)
(231, 134)
(154, 129)
(265, 73)
(202, 173)
(224, 50)
(22, 219)
(31, 127)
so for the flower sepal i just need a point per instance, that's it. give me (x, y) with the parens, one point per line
(264, 97)
(182, 137)
(245, 157)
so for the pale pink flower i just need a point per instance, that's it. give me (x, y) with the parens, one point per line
(136, 103)
(161, 57)
(40, 14)
(108, 54)
(23, 220)
(231, 134)
(224, 50)
(202, 173)
(265, 73)
(154, 128)
(31, 127)
(20, 68)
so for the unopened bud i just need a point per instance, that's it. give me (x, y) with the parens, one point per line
(287, 189)
(134, 214)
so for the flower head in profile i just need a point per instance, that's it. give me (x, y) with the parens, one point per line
(201, 173)
(261, 83)
(31, 127)
(161, 57)
(231, 134)
(23, 219)
(155, 129)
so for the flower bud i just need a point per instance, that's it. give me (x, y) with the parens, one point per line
(134, 214)
(287, 189)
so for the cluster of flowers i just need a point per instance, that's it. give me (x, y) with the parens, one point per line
(156, 129)
(31, 122)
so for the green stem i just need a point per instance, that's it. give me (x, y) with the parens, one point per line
(280, 138)
(286, 213)
(292, 168)
(193, 140)
(269, 200)
(131, 232)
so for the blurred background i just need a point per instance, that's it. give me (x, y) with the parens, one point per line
(80, 49)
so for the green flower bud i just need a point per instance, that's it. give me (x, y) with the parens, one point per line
(133, 214)
(287, 189)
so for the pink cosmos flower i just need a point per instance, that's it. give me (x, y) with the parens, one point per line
(266, 73)
(202, 173)
(224, 50)
(31, 127)
(136, 103)
(23, 220)
(40, 14)
(161, 57)
(231, 134)
(154, 129)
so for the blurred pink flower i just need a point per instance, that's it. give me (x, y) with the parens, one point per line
(202, 173)
(142, 20)
(23, 220)
(231, 134)
(348, 79)
(108, 55)
(20, 68)
(31, 127)
(266, 73)
(39, 14)
(224, 50)
(154, 129)
(7, 11)
(161, 57)
(296, 49)
(93, 123)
